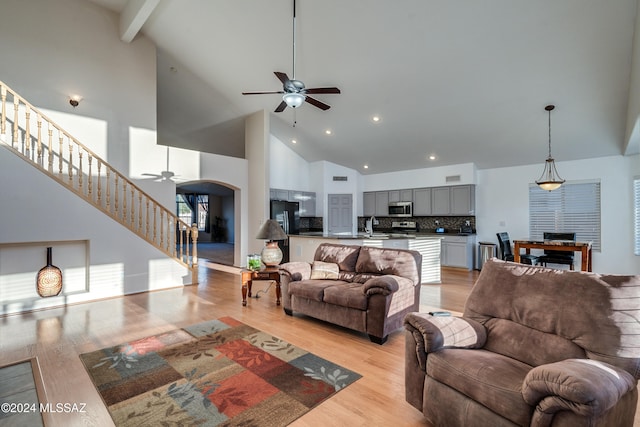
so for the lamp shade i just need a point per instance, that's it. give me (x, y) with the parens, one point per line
(293, 100)
(271, 230)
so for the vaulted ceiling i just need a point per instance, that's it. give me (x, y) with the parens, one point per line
(462, 81)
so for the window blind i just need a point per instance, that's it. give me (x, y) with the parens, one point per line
(574, 207)
(636, 216)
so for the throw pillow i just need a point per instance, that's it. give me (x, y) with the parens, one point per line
(324, 270)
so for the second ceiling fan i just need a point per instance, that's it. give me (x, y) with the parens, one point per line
(294, 93)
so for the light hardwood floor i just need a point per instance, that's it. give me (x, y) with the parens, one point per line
(57, 336)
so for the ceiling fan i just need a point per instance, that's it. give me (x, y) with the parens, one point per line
(294, 93)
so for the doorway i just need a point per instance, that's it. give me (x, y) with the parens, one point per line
(211, 205)
(340, 207)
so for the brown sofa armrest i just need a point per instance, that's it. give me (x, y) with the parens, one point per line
(584, 386)
(296, 270)
(447, 331)
(384, 285)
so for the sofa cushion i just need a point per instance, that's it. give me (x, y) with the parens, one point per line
(343, 255)
(389, 261)
(312, 289)
(490, 379)
(324, 270)
(346, 295)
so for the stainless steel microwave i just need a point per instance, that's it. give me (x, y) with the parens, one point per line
(400, 209)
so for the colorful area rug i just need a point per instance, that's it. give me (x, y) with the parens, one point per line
(216, 373)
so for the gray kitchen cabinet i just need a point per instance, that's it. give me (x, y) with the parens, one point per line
(382, 203)
(422, 202)
(278, 194)
(457, 251)
(463, 200)
(369, 203)
(405, 195)
(457, 200)
(306, 199)
(440, 201)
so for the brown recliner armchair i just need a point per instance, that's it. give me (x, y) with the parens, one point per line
(535, 347)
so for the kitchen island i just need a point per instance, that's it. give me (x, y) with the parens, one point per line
(302, 247)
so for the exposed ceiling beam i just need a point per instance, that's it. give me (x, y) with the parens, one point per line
(133, 17)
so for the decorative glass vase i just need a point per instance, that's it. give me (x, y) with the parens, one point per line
(49, 279)
(253, 262)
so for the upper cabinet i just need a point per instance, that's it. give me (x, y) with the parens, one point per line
(382, 203)
(463, 200)
(375, 203)
(278, 194)
(306, 199)
(401, 195)
(457, 200)
(422, 202)
(368, 203)
(440, 201)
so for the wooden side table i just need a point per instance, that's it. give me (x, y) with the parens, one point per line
(267, 273)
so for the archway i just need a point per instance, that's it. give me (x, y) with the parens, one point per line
(211, 205)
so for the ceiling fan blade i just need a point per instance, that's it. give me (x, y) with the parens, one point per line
(262, 93)
(316, 103)
(323, 90)
(281, 76)
(155, 175)
(280, 107)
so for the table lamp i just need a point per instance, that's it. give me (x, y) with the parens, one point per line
(271, 231)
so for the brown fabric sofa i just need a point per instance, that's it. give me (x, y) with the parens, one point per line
(535, 347)
(362, 288)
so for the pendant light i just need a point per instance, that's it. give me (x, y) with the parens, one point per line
(549, 180)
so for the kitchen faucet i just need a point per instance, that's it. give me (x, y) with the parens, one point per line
(368, 228)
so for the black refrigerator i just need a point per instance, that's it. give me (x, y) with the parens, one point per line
(288, 216)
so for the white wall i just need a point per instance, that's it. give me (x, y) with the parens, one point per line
(39, 210)
(502, 204)
(292, 172)
(54, 49)
(50, 51)
(415, 178)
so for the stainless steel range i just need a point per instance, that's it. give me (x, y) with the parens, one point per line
(404, 227)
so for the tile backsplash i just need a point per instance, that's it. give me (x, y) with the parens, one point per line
(424, 223)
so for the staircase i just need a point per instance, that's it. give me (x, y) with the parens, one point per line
(46, 146)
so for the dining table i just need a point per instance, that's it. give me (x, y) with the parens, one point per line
(555, 245)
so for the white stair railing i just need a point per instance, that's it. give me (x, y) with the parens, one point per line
(44, 144)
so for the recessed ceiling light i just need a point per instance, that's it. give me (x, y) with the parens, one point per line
(375, 118)
(328, 131)
(293, 141)
(432, 157)
(366, 166)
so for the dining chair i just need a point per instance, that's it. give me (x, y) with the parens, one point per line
(507, 254)
(557, 257)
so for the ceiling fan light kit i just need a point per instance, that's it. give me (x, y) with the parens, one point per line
(294, 93)
(550, 179)
(293, 100)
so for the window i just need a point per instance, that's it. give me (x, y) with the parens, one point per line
(636, 216)
(194, 208)
(574, 207)
(183, 209)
